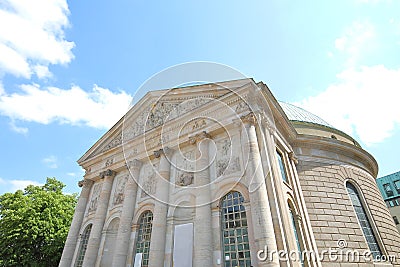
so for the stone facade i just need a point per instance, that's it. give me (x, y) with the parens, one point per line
(389, 186)
(220, 175)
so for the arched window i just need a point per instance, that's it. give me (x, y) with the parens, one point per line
(297, 234)
(83, 246)
(281, 163)
(235, 238)
(144, 236)
(363, 220)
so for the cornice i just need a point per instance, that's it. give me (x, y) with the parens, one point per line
(338, 147)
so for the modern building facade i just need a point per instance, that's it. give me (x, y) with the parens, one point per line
(223, 174)
(389, 186)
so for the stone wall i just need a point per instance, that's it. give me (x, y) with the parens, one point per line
(332, 214)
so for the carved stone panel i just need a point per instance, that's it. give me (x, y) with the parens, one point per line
(95, 197)
(227, 161)
(228, 166)
(149, 182)
(185, 168)
(185, 178)
(119, 190)
(149, 185)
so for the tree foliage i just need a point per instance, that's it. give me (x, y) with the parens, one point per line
(34, 224)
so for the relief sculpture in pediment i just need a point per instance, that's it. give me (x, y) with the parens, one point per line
(158, 114)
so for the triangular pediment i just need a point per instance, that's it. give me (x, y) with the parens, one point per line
(157, 108)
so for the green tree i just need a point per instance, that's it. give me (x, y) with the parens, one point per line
(34, 224)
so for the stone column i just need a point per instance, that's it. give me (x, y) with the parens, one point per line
(73, 234)
(131, 246)
(128, 209)
(158, 234)
(203, 237)
(263, 227)
(100, 216)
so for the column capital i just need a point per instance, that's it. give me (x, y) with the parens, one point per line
(107, 173)
(134, 164)
(249, 118)
(163, 151)
(199, 137)
(85, 183)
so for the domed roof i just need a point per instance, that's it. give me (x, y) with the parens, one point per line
(298, 114)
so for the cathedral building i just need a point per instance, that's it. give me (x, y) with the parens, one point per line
(222, 174)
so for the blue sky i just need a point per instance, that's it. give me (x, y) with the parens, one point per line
(68, 70)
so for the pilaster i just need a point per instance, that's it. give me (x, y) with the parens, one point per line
(203, 253)
(261, 214)
(158, 235)
(73, 234)
(128, 209)
(100, 216)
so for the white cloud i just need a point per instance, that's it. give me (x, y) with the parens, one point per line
(100, 108)
(363, 101)
(33, 35)
(51, 162)
(21, 184)
(17, 129)
(355, 40)
(14, 185)
(42, 71)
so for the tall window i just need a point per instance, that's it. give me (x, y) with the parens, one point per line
(296, 232)
(144, 235)
(235, 237)
(388, 190)
(83, 246)
(397, 185)
(281, 165)
(363, 220)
